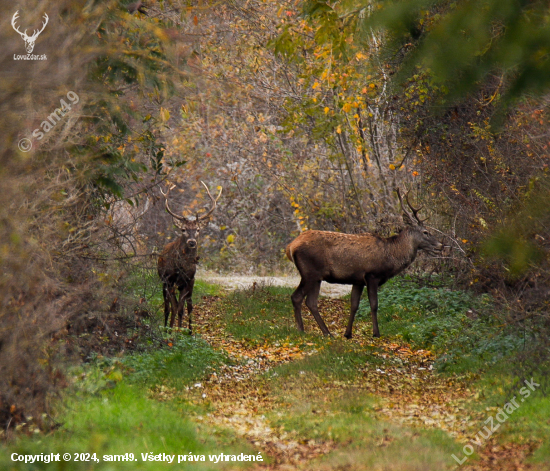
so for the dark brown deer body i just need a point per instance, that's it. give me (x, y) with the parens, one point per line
(177, 265)
(359, 260)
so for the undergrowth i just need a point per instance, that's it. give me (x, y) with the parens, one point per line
(463, 329)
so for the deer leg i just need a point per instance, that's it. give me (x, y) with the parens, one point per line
(166, 297)
(297, 298)
(311, 303)
(356, 292)
(190, 305)
(181, 304)
(372, 287)
(174, 304)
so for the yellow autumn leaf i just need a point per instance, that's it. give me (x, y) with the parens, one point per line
(230, 238)
(346, 107)
(164, 115)
(392, 167)
(316, 85)
(339, 130)
(327, 109)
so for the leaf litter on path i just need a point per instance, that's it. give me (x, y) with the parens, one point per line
(407, 389)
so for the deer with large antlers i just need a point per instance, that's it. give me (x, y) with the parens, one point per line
(29, 40)
(177, 263)
(355, 259)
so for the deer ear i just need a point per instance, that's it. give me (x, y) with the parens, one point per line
(407, 220)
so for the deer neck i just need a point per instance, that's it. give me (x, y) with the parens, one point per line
(404, 250)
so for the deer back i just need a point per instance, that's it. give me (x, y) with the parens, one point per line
(333, 256)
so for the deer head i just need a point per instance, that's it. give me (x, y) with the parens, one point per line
(424, 239)
(29, 40)
(190, 228)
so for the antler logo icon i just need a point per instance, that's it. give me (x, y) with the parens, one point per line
(29, 40)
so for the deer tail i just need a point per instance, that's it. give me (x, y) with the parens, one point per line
(289, 253)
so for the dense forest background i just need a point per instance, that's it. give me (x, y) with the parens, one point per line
(308, 114)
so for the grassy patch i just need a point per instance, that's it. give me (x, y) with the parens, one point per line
(182, 360)
(260, 314)
(392, 448)
(460, 327)
(338, 360)
(134, 404)
(528, 423)
(118, 421)
(322, 400)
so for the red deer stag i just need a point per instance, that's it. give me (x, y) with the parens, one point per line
(177, 263)
(355, 259)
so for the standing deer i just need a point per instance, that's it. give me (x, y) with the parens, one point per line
(177, 263)
(358, 260)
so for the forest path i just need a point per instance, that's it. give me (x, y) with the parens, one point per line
(246, 396)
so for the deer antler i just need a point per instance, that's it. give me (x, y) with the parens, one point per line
(214, 201)
(414, 215)
(415, 211)
(180, 218)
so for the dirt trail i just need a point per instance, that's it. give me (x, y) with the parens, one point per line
(233, 282)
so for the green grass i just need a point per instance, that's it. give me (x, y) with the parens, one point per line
(115, 422)
(118, 421)
(320, 395)
(530, 422)
(334, 360)
(264, 314)
(133, 405)
(188, 359)
(463, 329)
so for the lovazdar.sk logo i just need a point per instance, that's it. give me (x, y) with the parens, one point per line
(29, 40)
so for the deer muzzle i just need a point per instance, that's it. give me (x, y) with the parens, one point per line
(192, 243)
